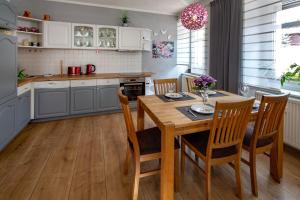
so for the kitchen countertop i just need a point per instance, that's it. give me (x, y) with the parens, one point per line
(83, 77)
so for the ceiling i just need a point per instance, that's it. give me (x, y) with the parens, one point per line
(167, 7)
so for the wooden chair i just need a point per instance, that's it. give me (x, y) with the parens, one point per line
(190, 83)
(145, 146)
(261, 135)
(223, 143)
(163, 86)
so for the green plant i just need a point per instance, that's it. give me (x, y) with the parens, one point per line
(125, 17)
(293, 73)
(21, 74)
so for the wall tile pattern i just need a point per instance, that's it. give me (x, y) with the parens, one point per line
(47, 61)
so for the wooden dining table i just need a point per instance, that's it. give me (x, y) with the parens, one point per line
(173, 123)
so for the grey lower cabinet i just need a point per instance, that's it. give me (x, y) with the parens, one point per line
(83, 100)
(23, 111)
(107, 98)
(51, 102)
(7, 122)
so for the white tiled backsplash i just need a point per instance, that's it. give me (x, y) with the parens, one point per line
(47, 61)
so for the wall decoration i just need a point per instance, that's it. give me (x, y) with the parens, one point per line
(163, 32)
(163, 49)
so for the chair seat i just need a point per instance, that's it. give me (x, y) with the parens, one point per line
(150, 141)
(200, 141)
(248, 136)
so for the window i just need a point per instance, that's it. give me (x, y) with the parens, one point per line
(192, 49)
(183, 45)
(289, 47)
(259, 42)
(271, 40)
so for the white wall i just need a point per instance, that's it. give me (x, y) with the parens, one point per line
(47, 61)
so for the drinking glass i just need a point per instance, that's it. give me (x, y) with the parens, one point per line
(172, 89)
(244, 90)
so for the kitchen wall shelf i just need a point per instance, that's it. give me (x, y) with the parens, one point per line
(32, 33)
(25, 37)
(30, 47)
(30, 19)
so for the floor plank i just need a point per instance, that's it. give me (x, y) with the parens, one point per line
(89, 176)
(83, 158)
(55, 181)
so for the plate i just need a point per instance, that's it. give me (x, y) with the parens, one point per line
(173, 95)
(211, 92)
(203, 109)
(256, 104)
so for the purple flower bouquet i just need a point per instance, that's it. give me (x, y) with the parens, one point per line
(204, 82)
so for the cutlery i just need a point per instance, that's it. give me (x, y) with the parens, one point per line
(190, 111)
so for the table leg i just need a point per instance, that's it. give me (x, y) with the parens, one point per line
(140, 116)
(167, 164)
(276, 163)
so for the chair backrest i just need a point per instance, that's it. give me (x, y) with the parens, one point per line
(190, 83)
(229, 124)
(131, 132)
(270, 116)
(163, 86)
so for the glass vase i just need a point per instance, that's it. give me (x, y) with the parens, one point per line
(204, 95)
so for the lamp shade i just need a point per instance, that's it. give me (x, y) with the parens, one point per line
(194, 16)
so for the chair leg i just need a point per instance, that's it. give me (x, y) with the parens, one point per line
(182, 158)
(253, 173)
(237, 166)
(126, 163)
(208, 182)
(176, 171)
(135, 187)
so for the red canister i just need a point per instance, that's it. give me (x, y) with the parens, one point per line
(74, 70)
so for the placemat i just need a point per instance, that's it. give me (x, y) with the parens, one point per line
(185, 110)
(184, 98)
(218, 94)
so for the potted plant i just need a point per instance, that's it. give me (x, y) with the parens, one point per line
(291, 78)
(21, 74)
(125, 19)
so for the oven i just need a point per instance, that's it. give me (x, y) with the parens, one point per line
(133, 87)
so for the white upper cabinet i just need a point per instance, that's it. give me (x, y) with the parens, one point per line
(57, 34)
(83, 36)
(130, 38)
(146, 40)
(86, 36)
(107, 37)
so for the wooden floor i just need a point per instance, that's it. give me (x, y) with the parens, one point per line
(82, 159)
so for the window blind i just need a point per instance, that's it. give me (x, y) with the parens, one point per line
(259, 41)
(286, 4)
(199, 51)
(192, 49)
(183, 45)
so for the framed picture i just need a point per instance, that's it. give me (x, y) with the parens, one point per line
(163, 49)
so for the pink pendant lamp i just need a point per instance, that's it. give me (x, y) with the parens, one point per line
(194, 16)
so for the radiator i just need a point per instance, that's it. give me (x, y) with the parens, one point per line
(291, 121)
